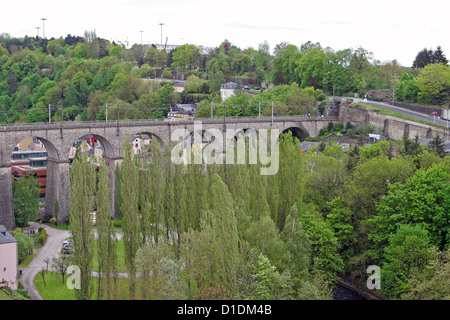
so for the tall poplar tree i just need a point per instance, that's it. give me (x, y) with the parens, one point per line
(107, 255)
(82, 190)
(130, 210)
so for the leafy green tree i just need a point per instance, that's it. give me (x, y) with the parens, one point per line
(92, 44)
(194, 84)
(433, 283)
(270, 284)
(437, 145)
(421, 200)
(340, 220)
(186, 57)
(147, 71)
(298, 246)
(106, 242)
(82, 190)
(161, 272)
(433, 82)
(26, 199)
(388, 72)
(361, 69)
(311, 67)
(129, 195)
(407, 253)
(25, 245)
(215, 81)
(212, 254)
(325, 178)
(325, 259)
(263, 236)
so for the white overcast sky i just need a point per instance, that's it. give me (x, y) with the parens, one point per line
(391, 29)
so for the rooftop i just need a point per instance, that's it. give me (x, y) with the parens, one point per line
(141, 136)
(5, 237)
(229, 85)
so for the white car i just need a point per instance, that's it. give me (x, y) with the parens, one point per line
(67, 242)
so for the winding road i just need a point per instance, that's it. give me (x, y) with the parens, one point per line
(50, 249)
(407, 112)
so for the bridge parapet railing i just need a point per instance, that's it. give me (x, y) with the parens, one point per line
(136, 122)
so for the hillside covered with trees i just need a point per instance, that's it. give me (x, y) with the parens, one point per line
(80, 75)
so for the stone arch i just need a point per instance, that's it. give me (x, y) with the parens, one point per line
(45, 177)
(297, 132)
(250, 135)
(52, 151)
(107, 147)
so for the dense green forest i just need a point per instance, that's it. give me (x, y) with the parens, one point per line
(225, 231)
(80, 75)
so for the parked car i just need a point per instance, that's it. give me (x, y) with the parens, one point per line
(67, 242)
(246, 87)
(256, 88)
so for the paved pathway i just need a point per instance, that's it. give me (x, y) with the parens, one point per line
(50, 249)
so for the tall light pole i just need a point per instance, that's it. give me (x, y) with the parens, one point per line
(37, 28)
(141, 35)
(161, 24)
(393, 89)
(43, 27)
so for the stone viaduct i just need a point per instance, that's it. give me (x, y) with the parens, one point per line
(58, 138)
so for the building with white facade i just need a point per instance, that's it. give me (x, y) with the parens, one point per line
(8, 260)
(228, 90)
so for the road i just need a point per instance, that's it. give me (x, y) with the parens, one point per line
(407, 112)
(50, 249)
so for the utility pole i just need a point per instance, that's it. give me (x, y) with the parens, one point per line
(393, 90)
(106, 112)
(141, 35)
(393, 93)
(448, 114)
(49, 114)
(117, 130)
(62, 122)
(272, 114)
(43, 27)
(224, 140)
(37, 28)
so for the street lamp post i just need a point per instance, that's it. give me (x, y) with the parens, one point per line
(161, 24)
(43, 27)
(141, 35)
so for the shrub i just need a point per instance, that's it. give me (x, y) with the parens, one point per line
(42, 236)
(25, 245)
(338, 126)
(118, 223)
(166, 74)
